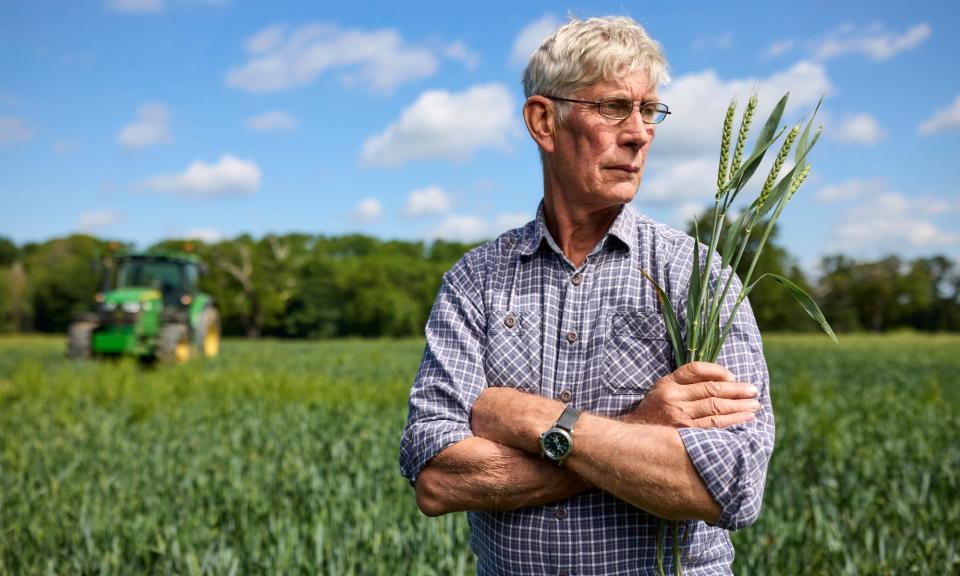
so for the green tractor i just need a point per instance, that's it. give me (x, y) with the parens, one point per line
(149, 308)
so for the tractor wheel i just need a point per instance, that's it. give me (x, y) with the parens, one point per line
(80, 340)
(209, 333)
(173, 346)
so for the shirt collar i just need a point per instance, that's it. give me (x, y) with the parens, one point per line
(624, 229)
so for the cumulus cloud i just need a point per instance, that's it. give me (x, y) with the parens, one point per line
(860, 129)
(682, 165)
(136, 6)
(943, 120)
(98, 220)
(273, 121)
(467, 228)
(530, 38)
(425, 201)
(874, 42)
(719, 42)
(889, 223)
(367, 210)
(459, 52)
(150, 128)
(446, 125)
(283, 58)
(208, 235)
(230, 176)
(14, 130)
(852, 189)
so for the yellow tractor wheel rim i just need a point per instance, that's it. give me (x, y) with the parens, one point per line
(211, 343)
(182, 352)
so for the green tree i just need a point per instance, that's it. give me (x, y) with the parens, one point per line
(64, 277)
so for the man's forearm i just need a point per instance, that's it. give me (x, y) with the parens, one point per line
(479, 474)
(646, 465)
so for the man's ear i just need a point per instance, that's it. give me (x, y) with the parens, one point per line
(540, 118)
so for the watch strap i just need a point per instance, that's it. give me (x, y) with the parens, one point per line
(568, 418)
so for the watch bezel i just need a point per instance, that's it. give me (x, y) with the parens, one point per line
(547, 453)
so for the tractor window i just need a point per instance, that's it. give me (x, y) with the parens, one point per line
(159, 275)
(190, 278)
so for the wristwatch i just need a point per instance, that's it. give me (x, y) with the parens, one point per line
(557, 442)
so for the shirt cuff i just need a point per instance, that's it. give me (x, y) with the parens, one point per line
(719, 456)
(424, 440)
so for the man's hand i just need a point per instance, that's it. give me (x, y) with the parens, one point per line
(697, 395)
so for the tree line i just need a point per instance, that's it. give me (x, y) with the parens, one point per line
(309, 286)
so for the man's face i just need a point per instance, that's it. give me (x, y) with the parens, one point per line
(598, 162)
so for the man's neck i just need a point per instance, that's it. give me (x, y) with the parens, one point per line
(577, 229)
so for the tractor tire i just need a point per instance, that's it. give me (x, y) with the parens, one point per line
(173, 344)
(80, 340)
(208, 333)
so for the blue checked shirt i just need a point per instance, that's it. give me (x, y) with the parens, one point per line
(515, 312)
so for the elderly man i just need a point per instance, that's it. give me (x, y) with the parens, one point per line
(545, 404)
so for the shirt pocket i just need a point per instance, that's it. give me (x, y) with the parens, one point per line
(636, 352)
(514, 350)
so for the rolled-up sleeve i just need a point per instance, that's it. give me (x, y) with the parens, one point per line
(732, 462)
(450, 377)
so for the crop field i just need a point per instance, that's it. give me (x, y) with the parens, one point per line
(281, 457)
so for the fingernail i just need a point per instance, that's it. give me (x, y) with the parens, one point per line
(753, 390)
(755, 406)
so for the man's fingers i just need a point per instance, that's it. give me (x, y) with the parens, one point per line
(723, 421)
(720, 407)
(694, 372)
(713, 389)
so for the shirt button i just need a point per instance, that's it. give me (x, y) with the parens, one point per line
(510, 321)
(565, 396)
(577, 279)
(561, 513)
(571, 336)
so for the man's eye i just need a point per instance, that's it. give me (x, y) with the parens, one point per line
(616, 108)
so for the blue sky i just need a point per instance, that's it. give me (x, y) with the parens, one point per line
(150, 119)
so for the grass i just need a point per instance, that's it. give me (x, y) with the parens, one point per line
(281, 457)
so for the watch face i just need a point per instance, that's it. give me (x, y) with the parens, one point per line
(556, 445)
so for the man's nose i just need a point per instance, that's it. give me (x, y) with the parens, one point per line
(634, 133)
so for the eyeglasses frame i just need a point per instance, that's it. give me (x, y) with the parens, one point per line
(597, 103)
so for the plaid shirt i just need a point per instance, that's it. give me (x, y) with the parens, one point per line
(619, 352)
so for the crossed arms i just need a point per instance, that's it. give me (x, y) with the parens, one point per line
(696, 447)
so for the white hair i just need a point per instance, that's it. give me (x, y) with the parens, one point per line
(583, 52)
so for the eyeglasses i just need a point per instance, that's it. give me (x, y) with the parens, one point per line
(616, 108)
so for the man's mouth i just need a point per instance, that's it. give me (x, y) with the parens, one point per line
(625, 168)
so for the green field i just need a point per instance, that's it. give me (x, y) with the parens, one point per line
(281, 457)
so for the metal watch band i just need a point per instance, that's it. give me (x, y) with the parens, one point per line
(567, 418)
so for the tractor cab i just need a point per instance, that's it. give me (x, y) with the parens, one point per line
(150, 306)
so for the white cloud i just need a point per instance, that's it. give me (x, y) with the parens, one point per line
(889, 223)
(466, 228)
(686, 212)
(283, 59)
(779, 48)
(98, 220)
(860, 129)
(429, 200)
(682, 164)
(851, 189)
(446, 125)
(14, 130)
(459, 52)
(229, 176)
(368, 210)
(136, 6)
(273, 121)
(504, 222)
(149, 129)
(943, 120)
(720, 42)
(874, 42)
(208, 235)
(531, 37)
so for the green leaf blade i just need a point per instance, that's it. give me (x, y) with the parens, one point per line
(670, 321)
(809, 306)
